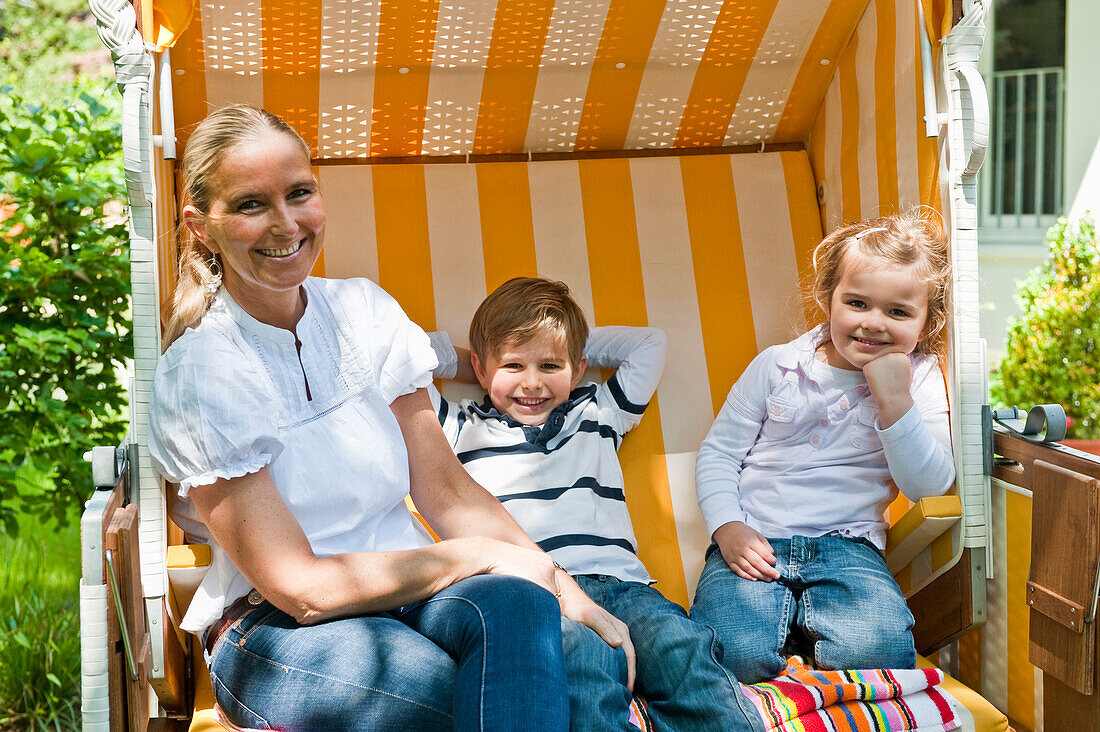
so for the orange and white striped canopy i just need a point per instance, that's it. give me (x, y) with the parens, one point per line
(397, 78)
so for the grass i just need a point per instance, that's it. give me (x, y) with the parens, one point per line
(40, 628)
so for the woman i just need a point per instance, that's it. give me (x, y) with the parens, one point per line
(292, 414)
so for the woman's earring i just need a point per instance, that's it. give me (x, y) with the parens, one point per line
(215, 280)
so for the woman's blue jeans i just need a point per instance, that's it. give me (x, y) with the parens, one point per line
(483, 654)
(834, 593)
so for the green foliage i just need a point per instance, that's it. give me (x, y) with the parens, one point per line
(1053, 350)
(64, 297)
(49, 47)
(39, 630)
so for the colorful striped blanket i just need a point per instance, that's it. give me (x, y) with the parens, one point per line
(804, 699)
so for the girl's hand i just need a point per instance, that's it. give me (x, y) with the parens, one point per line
(889, 377)
(746, 551)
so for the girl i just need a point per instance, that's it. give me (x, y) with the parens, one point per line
(795, 473)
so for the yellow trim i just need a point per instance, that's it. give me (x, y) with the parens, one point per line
(929, 519)
(1020, 672)
(188, 556)
(942, 551)
(805, 218)
(203, 718)
(928, 162)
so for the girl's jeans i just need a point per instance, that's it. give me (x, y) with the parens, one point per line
(834, 593)
(483, 654)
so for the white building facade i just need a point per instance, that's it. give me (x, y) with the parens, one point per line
(1041, 63)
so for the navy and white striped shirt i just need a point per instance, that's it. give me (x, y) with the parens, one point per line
(562, 481)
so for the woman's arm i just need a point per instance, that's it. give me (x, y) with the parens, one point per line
(254, 526)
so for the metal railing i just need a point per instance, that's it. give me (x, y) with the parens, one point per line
(1022, 186)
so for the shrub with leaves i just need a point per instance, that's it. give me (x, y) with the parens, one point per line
(64, 300)
(1053, 349)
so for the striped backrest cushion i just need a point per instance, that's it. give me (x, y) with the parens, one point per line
(711, 248)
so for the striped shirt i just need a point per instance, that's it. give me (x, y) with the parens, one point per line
(561, 480)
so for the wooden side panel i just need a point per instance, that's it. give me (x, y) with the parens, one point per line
(115, 660)
(1065, 536)
(122, 542)
(171, 689)
(944, 609)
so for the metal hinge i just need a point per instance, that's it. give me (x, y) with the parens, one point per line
(1043, 423)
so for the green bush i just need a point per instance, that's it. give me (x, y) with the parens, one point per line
(64, 299)
(48, 47)
(1053, 349)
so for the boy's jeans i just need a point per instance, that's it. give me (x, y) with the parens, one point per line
(677, 672)
(834, 591)
(394, 670)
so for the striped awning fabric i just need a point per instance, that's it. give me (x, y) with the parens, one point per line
(398, 78)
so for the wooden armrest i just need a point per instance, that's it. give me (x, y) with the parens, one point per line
(922, 524)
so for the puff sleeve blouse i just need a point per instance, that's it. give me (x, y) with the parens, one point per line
(234, 395)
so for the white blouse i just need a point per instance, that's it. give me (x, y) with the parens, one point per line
(233, 395)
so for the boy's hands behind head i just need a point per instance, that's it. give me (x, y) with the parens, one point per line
(746, 551)
(889, 377)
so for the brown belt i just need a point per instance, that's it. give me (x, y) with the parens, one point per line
(230, 615)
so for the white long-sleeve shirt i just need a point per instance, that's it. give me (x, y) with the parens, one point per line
(561, 480)
(796, 448)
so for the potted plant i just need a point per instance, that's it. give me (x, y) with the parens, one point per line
(1053, 348)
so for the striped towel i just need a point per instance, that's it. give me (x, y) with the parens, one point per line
(804, 699)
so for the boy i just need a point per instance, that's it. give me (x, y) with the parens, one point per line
(546, 448)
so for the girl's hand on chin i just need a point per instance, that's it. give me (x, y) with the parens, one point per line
(889, 377)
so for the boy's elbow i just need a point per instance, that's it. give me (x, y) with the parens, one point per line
(657, 340)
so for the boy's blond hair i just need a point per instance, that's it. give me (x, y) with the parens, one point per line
(521, 308)
(914, 238)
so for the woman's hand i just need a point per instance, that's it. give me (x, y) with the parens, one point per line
(889, 377)
(579, 607)
(746, 551)
(502, 557)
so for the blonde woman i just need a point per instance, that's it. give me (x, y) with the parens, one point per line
(291, 412)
